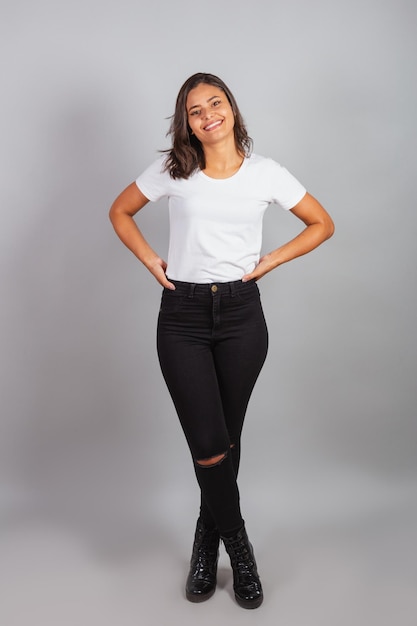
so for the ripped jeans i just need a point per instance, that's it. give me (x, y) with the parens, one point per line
(212, 342)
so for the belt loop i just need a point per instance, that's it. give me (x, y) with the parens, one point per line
(191, 290)
(232, 289)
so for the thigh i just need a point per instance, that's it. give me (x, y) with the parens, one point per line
(240, 355)
(187, 364)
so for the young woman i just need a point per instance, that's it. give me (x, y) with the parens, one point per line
(212, 338)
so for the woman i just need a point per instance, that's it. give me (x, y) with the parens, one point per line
(212, 337)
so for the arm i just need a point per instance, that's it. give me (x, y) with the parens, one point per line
(130, 201)
(319, 227)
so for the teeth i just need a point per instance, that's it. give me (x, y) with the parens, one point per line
(210, 126)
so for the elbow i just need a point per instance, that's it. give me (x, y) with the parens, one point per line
(328, 227)
(111, 213)
(114, 212)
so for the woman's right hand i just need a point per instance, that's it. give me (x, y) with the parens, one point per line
(158, 268)
(126, 205)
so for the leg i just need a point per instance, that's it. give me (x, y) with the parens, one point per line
(239, 355)
(210, 370)
(186, 358)
(239, 359)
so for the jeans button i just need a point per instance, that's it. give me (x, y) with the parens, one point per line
(214, 288)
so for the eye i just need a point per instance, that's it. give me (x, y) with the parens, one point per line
(216, 103)
(195, 112)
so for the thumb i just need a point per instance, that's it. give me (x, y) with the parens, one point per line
(247, 277)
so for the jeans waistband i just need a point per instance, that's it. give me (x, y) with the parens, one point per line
(211, 289)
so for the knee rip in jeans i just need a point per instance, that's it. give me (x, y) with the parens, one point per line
(215, 460)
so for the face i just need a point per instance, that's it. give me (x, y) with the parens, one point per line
(209, 114)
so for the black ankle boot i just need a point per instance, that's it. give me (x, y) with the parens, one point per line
(201, 581)
(246, 583)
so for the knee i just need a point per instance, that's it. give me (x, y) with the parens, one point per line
(214, 460)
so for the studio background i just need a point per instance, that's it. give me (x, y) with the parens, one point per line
(97, 494)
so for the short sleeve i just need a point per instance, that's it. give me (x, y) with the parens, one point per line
(286, 190)
(154, 182)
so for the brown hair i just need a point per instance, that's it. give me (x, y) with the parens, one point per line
(187, 154)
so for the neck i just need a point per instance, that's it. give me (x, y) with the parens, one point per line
(222, 158)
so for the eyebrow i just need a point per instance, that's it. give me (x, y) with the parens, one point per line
(195, 106)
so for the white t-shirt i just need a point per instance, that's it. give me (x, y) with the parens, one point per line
(216, 224)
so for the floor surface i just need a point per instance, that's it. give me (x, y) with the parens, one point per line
(352, 571)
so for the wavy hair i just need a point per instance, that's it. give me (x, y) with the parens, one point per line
(187, 154)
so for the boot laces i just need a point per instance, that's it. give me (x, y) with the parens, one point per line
(242, 558)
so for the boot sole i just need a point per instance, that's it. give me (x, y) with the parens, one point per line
(199, 597)
(249, 604)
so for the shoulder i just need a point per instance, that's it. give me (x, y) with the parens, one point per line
(154, 181)
(156, 171)
(261, 166)
(157, 166)
(275, 181)
(262, 162)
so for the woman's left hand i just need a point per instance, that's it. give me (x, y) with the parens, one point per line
(264, 266)
(319, 227)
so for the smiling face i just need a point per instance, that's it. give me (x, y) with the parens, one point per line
(210, 115)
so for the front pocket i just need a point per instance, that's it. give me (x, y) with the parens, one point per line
(170, 301)
(250, 292)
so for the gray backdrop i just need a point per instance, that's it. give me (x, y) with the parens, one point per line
(97, 493)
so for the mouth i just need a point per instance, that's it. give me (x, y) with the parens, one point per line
(213, 125)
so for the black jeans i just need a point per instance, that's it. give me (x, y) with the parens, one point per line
(212, 342)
